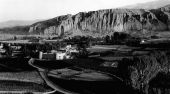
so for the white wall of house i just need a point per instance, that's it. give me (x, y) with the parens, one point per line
(60, 56)
(54, 56)
(51, 56)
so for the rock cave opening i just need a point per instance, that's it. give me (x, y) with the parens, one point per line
(62, 31)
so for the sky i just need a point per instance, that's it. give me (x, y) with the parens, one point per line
(45, 9)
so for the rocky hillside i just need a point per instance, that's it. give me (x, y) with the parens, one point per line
(103, 22)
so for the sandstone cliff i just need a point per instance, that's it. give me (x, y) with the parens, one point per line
(104, 22)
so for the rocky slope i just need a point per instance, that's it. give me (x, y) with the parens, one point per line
(103, 22)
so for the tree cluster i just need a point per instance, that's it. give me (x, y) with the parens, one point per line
(116, 38)
(140, 70)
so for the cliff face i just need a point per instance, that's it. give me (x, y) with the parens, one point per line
(103, 22)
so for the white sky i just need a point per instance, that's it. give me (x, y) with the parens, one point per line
(44, 9)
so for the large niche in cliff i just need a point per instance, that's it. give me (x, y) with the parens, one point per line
(61, 31)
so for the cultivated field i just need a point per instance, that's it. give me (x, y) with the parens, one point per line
(17, 77)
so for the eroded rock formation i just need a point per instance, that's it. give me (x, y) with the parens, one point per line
(103, 22)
